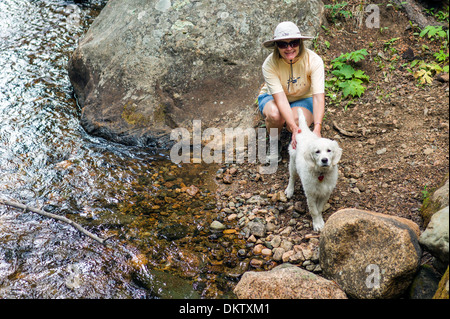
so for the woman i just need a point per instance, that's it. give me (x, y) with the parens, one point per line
(294, 77)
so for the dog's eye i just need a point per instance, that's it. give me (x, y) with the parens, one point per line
(328, 151)
(317, 152)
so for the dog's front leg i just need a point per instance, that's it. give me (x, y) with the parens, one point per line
(316, 214)
(292, 177)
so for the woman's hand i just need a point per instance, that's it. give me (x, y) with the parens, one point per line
(295, 130)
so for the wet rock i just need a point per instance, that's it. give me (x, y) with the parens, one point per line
(258, 249)
(238, 270)
(256, 263)
(192, 190)
(165, 285)
(173, 232)
(73, 278)
(286, 282)
(217, 226)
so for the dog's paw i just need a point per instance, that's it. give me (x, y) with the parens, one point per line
(289, 192)
(318, 224)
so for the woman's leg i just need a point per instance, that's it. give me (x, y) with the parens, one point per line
(273, 118)
(308, 115)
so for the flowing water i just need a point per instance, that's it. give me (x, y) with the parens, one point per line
(156, 213)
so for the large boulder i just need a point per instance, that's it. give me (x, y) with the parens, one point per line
(370, 255)
(286, 282)
(147, 66)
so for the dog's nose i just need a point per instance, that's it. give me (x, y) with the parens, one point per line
(324, 160)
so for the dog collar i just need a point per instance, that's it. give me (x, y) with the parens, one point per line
(320, 178)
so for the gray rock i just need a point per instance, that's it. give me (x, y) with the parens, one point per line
(217, 226)
(276, 241)
(435, 237)
(425, 283)
(147, 66)
(257, 228)
(278, 253)
(441, 195)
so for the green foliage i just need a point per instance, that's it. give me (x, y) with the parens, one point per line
(346, 80)
(337, 11)
(441, 56)
(434, 33)
(441, 16)
(424, 71)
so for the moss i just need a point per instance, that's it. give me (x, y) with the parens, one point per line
(160, 113)
(132, 117)
(429, 207)
(442, 291)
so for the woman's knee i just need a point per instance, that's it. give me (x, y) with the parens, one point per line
(272, 114)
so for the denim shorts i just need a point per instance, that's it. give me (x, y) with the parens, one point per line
(306, 103)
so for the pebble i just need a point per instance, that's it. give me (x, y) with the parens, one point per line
(266, 252)
(257, 250)
(278, 253)
(256, 263)
(276, 241)
(382, 151)
(216, 225)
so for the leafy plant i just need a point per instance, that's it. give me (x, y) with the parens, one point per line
(434, 33)
(346, 79)
(441, 56)
(440, 15)
(388, 44)
(425, 193)
(426, 71)
(337, 11)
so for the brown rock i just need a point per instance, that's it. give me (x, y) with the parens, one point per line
(370, 255)
(227, 179)
(286, 282)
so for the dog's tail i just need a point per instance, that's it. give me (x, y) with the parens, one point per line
(302, 121)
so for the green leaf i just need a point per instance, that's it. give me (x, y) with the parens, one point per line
(352, 87)
(359, 74)
(357, 56)
(346, 72)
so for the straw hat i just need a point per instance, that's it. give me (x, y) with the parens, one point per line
(283, 31)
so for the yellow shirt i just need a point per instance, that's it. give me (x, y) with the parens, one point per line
(300, 80)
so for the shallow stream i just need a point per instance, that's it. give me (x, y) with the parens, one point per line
(157, 214)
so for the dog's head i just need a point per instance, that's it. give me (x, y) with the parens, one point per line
(323, 153)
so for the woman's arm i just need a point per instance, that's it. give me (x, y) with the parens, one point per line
(285, 110)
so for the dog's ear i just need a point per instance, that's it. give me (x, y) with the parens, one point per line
(337, 153)
(309, 156)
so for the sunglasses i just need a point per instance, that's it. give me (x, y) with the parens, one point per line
(292, 44)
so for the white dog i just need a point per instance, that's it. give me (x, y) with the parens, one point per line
(315, 160)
